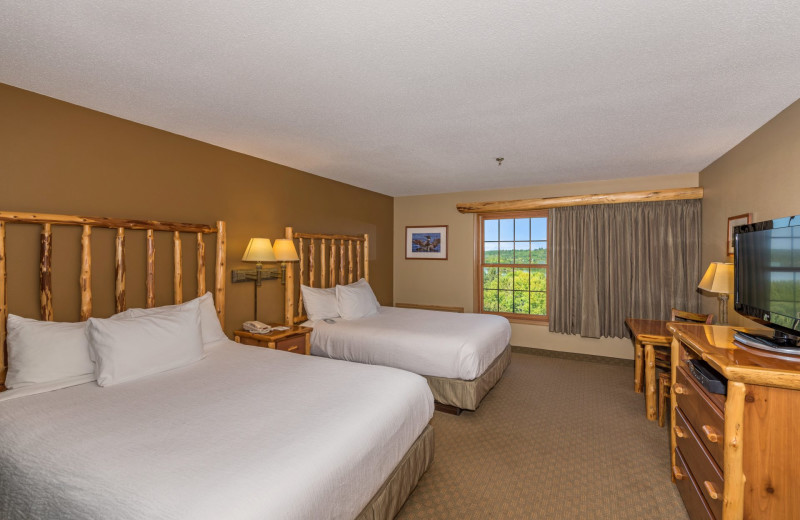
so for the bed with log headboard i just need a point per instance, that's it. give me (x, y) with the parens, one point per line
(154, 413)
(462, 356)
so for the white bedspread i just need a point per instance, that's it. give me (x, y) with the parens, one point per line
(245, 433)
(431, 343)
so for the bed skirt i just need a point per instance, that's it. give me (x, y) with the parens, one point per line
(467, 395)
(390, 498)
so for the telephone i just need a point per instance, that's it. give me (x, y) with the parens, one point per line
(256, 327)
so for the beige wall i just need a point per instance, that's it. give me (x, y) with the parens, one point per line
(451, 282)
(760, 175)
(61, 158)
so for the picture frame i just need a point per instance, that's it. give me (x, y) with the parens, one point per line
(426, 242)
(738, 220)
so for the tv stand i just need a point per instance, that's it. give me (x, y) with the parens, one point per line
(779, 342)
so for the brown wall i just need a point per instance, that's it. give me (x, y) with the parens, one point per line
(451, 282)
(760, 175)
(60, 158)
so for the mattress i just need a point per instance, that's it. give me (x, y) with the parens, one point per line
(430, 343)
(244, 433)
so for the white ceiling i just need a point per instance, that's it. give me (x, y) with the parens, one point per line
(415, 96)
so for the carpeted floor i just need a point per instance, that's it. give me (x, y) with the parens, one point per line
(555, 439)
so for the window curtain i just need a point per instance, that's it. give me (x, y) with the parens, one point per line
(615, 261)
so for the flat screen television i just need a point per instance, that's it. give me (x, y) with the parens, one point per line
(767, 275)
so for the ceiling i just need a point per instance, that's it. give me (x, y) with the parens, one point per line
(418, 97)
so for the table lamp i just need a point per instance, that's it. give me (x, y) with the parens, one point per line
(285, 252)
(719, 280)
(258, 250)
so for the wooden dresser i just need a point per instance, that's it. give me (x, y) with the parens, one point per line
(735, 456)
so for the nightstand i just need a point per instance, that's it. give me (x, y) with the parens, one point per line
(296, 339)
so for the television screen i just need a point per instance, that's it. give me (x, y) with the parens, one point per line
(767, 273)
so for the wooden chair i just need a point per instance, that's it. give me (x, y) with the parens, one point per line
(663, 360)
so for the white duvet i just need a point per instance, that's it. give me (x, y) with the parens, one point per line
(245, 433)
(431, 343)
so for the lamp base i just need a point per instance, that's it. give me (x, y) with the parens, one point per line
(723, 309)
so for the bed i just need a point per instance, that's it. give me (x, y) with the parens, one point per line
(462, 356)
(238, 432)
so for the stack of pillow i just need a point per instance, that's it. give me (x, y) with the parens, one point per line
(129, 345)
(349, 302)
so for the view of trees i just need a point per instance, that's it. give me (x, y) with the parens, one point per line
(518, 283)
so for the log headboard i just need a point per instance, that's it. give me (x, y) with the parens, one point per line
(47, 221)
(339, 259)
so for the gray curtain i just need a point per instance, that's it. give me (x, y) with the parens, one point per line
(614, 261)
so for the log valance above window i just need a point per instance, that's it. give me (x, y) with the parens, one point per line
(611, 262)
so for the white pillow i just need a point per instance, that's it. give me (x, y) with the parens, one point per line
(209, 322)
(46, 352)
(356, 300)
(320, 304)
(127, 348)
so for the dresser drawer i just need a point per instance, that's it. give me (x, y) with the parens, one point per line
(295, 344)
(701, 413)
(692, 497)
(702, 467)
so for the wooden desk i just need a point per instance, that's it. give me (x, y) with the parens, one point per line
(646, 335)
(735, 456)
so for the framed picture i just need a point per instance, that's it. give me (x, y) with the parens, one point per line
(426, 242)
(738, 220)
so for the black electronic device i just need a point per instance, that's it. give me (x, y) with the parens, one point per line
(708, 378)
(767, 276)
(778, 343)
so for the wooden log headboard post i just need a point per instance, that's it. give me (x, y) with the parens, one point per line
(46, 274)
(3, 302)
(47, 221)
(288, 288)
(219, 274)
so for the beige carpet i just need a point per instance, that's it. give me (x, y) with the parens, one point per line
(555, 439)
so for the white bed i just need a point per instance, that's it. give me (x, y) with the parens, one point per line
(461, 355)
(429, 343)
(244, 433)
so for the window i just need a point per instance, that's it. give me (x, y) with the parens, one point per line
(512, 264)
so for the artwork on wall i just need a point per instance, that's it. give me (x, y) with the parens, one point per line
(738, 220)
(426, 242)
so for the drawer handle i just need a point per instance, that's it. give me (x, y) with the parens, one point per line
(679, 389)
(679, 432)
(291, 349)
(711, 434)
(712, 490)
(676, 472)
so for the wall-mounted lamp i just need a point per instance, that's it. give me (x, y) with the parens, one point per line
(259, 250)
(285, 252)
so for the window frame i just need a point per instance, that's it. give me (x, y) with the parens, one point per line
(478, 264)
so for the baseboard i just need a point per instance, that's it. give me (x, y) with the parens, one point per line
(571, 355)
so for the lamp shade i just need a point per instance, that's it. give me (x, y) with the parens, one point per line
(718, 278)
(285, 251)
(259, 250)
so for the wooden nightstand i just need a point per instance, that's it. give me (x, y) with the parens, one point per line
(296, 339)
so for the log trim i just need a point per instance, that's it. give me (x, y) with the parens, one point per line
(580, 200)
